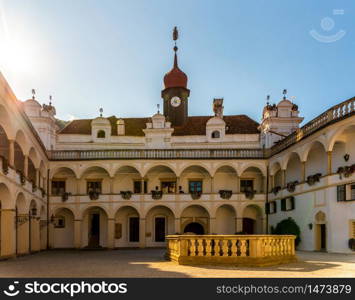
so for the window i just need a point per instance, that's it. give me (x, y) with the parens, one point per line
(59, 222)
(134, 229)
(271, 207)
(94, 186)
(160, 229)
(58, 187)
(137, 187)
(288, 204)
(341, 192)
(246, 185)
(168, 187)
(101, 134)
(216, 134)
(195, 186)
(352, 192)
(352, 228)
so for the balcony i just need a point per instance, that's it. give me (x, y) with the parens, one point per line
(241, 250)
(157, 154)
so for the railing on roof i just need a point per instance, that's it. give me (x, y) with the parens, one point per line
(332, 115)
(157, 154)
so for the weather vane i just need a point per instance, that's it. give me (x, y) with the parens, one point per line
(267, 99)
(284, 92)
(33, 93)
(158, 106)
(101, 111)
(50, 99)
(175, 37)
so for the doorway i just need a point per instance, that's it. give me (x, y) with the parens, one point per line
(248, 226)
(160, 229)
(94, 233)
(194, 228)
(321, 237)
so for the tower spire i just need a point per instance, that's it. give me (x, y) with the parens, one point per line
(175, 37)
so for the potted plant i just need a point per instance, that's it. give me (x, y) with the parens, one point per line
(156, 194)
(276, 189)
(126, 194)
(196, 195)
(346, 171)
(291, 186)
(22, 177)
(312, 179)
(225, 194)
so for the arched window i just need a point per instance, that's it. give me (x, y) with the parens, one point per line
(215, 134)
(101, 134)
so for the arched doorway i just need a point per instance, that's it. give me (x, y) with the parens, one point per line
(63, 228)
(95, 228)
(195, 214)
(253, 220)
(127, 233)
(320, 232)
(226, 219)
(194, 228)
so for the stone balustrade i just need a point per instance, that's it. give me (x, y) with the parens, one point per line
(241, 250)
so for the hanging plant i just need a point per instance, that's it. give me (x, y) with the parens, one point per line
(94, 195)
(22, 177)
(346, 171)
(195, 195)
(291, 186)
(65, 196)
(312, 179)
(225, 194)
(249, 194)
(5, 165)
(126, 194)
(276, 189)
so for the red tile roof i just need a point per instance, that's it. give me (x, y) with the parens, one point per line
(195, 125)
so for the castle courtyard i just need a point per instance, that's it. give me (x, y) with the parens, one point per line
(151, 263)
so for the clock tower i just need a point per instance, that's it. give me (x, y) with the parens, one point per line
(175, 93)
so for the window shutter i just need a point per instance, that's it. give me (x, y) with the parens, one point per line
(341, 189)
(292, 199)
(283, 204)
(267, 208)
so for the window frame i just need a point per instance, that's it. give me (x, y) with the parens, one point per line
(57, 193)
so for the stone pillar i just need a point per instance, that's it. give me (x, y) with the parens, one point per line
(25, 166)
(283, 178)
(238, 184)
(8, 233)
(111, 185)
(23, 234)
(142, 239)
(12, 153)
(77, 234)
(303, 170)
(43, 234)
(212, 229)
(51, 235)
(111, 233)
(212, 185)
(177, 184)
(239, 225)
(35, 235)
(142, 186)
(37, 180)
(177, 225)
(329, 166)
(77, 182)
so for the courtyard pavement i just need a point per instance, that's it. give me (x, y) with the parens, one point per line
(151, 263)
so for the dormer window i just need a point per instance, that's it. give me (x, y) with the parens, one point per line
(101, 134)
(216, 134)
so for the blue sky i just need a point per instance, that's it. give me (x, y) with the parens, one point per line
(113, 54)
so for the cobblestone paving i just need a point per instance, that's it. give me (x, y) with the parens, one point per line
(150, 263)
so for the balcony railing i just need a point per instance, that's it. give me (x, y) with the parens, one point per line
(244, 250)
(332, 115)
(157, 154)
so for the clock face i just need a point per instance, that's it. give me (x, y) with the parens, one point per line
(175, 101)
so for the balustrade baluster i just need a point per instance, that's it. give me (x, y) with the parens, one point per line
(217, 248)
(243, 247)
(208, 247)
(225, 247)
(200, 247)
(234, 247)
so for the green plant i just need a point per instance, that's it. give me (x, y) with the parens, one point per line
(288, 226)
